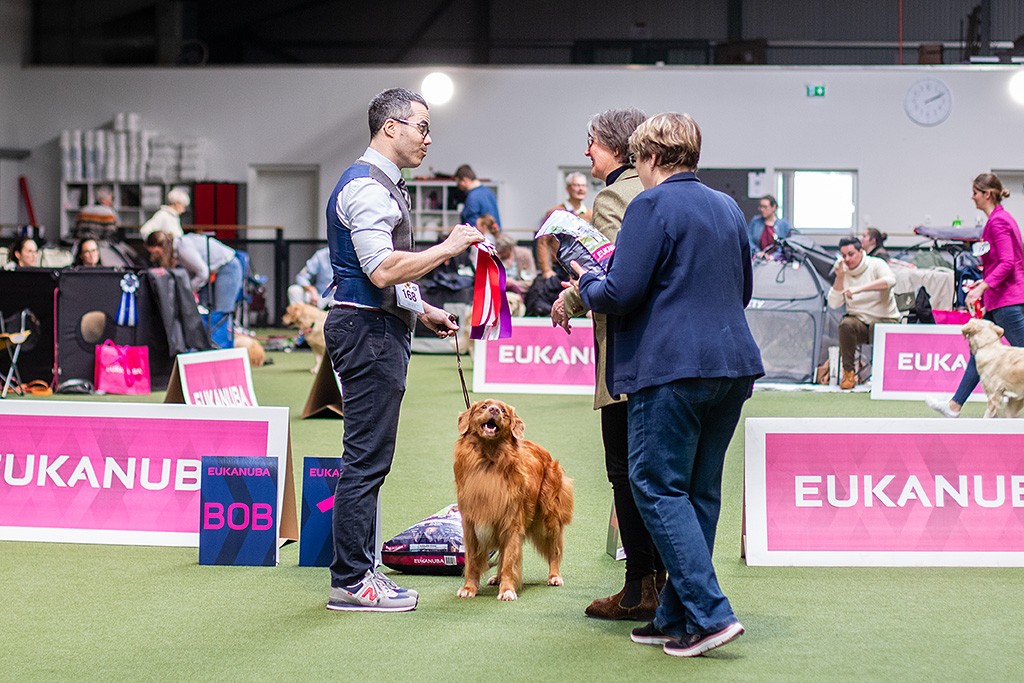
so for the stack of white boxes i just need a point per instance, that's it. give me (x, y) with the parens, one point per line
(164, 156)
(126, 153)
(71, 155)
(193, 159)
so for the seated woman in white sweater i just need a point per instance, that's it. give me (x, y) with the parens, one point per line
(864, 284)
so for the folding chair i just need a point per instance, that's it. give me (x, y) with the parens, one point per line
(13, 342)
(251, 297)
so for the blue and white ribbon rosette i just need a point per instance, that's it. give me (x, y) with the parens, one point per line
(127, 312)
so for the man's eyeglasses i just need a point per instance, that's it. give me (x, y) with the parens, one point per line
(422, 126)
(590, 141)
(631, 160)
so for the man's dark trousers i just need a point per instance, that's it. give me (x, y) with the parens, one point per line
(370, 351)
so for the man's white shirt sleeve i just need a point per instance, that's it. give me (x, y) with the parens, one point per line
(371, 214)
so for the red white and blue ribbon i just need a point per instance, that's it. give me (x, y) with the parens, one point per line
(492, 318)
(127, 313)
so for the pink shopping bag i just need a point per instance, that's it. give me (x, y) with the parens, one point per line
(121, 369)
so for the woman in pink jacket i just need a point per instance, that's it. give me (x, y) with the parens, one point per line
(1001, 291)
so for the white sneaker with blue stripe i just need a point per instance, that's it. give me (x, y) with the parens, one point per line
(371, 594)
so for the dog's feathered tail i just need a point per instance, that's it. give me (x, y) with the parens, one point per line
(554, 512)
(556, 494)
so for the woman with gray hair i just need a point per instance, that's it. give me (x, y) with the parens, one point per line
(608, 150)
(680, 349)
(168, 217)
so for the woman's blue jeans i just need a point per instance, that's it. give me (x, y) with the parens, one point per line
(678, 435)
(227, 286)
(1011, 319)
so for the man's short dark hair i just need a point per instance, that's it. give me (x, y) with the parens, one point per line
(465, 171)
(395, 103)
(847, 241)
(771, 200)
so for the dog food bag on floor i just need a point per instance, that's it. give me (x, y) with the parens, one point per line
(431, 546)
(578, 241)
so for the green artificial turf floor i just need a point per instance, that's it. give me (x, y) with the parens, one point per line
(91, 612)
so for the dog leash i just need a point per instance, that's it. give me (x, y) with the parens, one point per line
(458, 359)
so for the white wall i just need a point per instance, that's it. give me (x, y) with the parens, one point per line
(14, 21)
(518, 125)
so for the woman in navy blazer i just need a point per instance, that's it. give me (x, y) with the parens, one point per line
(680, 348)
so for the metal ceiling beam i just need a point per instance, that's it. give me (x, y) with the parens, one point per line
(734, 20)
(248, 40)
(482, 44)
(985, 28)
(422, 30)
(251, 18)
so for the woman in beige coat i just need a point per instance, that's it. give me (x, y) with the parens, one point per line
(608, 150)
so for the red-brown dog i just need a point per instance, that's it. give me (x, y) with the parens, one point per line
(508, 488)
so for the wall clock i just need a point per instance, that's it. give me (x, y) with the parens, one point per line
(928, 102)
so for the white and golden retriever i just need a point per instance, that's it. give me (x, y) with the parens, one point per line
(1001, 368)
(508, 489)
(310, 322)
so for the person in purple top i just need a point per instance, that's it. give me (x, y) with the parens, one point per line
(1001, 290)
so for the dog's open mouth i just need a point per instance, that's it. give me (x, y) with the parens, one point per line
(489, 428)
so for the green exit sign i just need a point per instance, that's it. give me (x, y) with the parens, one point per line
(815, 91)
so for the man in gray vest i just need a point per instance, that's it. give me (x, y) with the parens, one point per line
(369, 329)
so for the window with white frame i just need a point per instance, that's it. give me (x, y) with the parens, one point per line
(819, 200)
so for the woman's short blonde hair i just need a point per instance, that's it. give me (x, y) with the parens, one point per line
(672, 139)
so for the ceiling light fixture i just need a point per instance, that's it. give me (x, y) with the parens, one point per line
(438, 88)
(1017, 87)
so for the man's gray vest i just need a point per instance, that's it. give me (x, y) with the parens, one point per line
(350, 282)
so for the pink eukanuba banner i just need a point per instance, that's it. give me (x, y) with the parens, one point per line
(912, 362)
(217, 378)
(537, 358)
(112, 473)
(932, 363)
(894, 492)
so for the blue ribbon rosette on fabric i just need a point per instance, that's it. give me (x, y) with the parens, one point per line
(127, 312)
